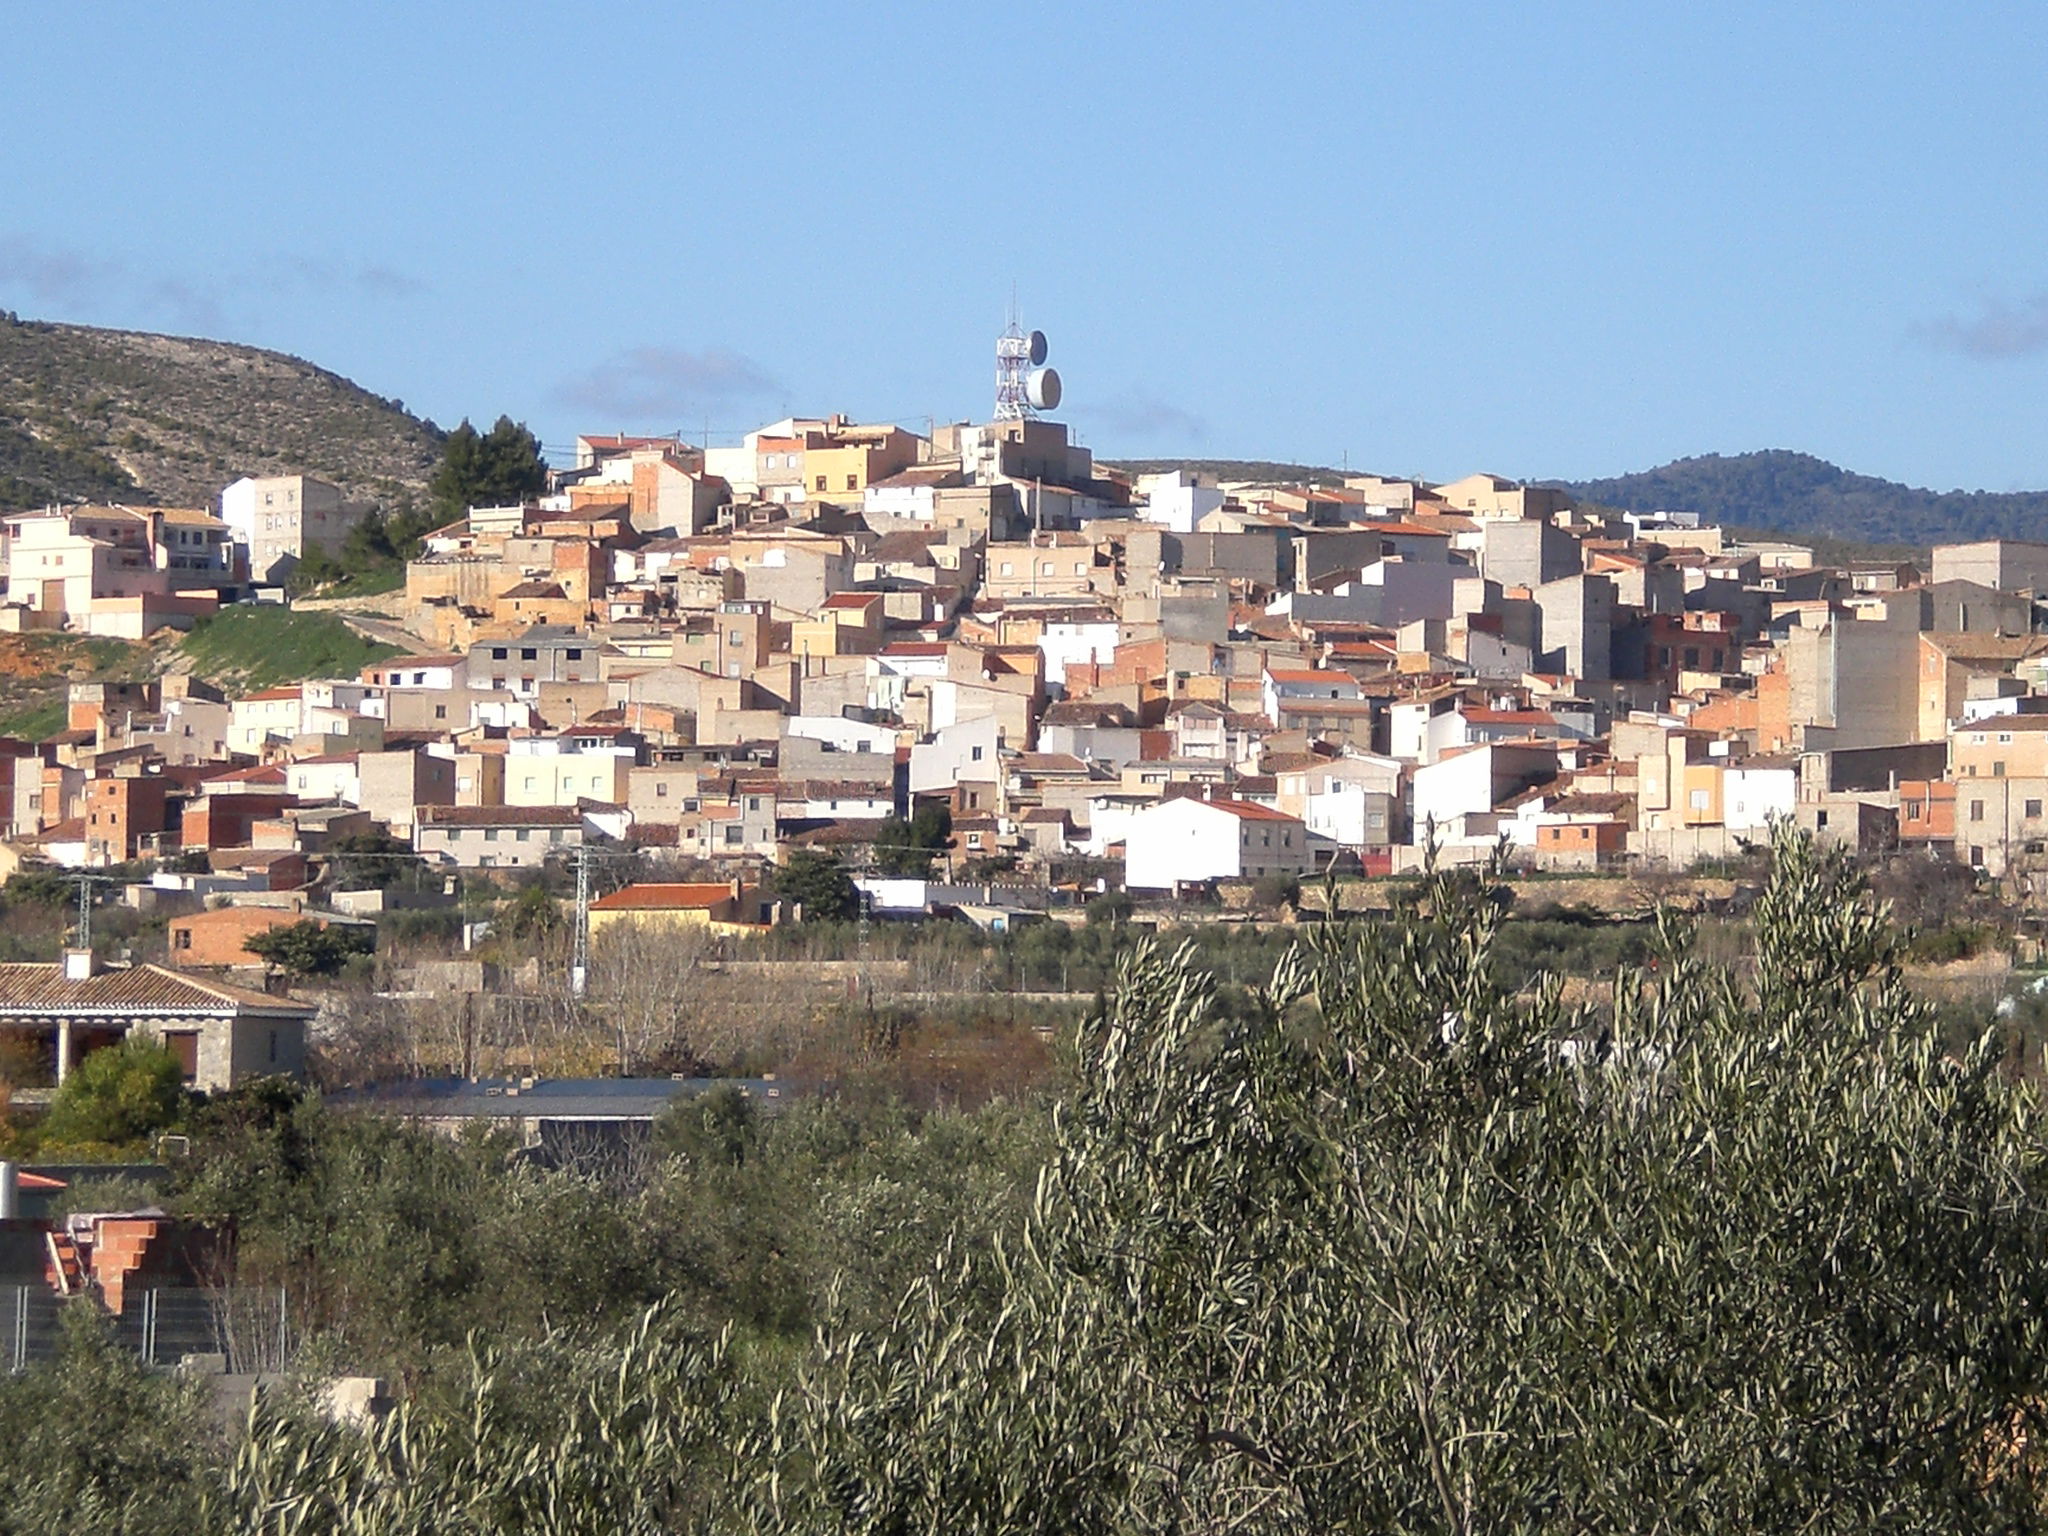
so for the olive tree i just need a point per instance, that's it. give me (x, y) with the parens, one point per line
(1407, 1249)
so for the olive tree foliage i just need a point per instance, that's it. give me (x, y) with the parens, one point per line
(540, 1440)
(1406, 1249)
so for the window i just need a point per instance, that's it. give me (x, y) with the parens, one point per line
(2005, 738)
(1912, 810)
(732, 837)
(1699, 800)
(528, 653)
(661, 791)
(182, 939)
(733, 638)
(1820, 819)
(574, 653)
(490, 834)
(1998, 769)
(821, 482)
(1045, 567)
(523, 835)
(498, 653)
(853, 482)
(753, 802)
(1009, 569)
(273, 1047)
(1976, 854)
(975, 754)
(2032, 810)
(1976, 810)
(440, 711)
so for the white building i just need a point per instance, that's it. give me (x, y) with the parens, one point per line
(1189, 840)
(1306, 683)
(1456, 798)
(1066, 642)
(276, 520)
(1175, 501)
(1758, 792)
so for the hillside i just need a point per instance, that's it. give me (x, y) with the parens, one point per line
(241, 648)
(97, 415)
(1799, 495)
(1256, 471)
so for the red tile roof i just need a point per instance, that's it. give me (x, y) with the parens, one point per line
(664, 898)
(1247, 810)
(1307, 675)
(39, 989)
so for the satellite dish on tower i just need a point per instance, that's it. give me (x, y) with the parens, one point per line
(1024, 386)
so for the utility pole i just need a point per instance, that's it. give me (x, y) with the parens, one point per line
(579, 963)
(85, 882)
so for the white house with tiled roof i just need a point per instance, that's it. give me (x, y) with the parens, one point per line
(1287, 683)
(1189, 840)
(222, 1035)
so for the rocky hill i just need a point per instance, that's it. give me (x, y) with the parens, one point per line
(1807, 498)
(97, 415)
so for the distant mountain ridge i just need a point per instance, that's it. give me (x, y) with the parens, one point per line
(100, 415)
(1806, 497)
(1254, 471)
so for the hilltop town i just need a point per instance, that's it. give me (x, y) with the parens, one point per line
(842, 668)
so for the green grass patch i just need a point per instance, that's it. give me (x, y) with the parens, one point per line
(259, 645)
(32, 723)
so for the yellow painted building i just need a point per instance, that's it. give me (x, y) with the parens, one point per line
(716, 906)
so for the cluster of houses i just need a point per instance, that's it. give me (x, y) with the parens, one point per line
(1154, 680)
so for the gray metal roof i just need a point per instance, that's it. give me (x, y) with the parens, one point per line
(581, 1098)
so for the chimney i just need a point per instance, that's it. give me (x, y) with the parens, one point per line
(80, 965)
(10, 1192)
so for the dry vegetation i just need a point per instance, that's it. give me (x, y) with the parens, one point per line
(99, 415)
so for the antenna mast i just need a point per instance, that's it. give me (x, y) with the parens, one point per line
(1024, 386)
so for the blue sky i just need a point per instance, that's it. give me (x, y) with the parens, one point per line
(1546, 240)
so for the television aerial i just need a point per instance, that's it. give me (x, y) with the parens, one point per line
(1024, 385)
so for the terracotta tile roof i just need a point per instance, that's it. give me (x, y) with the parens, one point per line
(1246, 810)
(1307, 675)
(40, 989)
(262, 773)
(664, 898)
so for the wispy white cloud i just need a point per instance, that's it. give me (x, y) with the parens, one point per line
(47, 274)
(36, 273)
(645, 383)
(2000, 329)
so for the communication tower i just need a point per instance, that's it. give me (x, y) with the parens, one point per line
(1024, 385)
